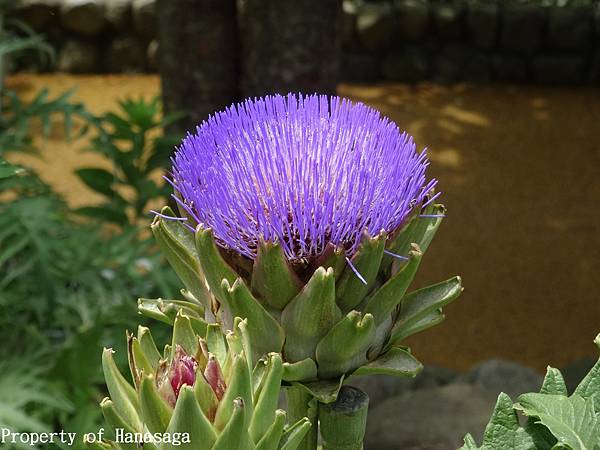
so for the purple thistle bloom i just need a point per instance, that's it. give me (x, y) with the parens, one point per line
(303, 171)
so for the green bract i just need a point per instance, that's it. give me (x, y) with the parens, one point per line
(321, 317)
(202, 392)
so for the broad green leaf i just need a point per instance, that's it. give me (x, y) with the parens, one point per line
(571, 420)
(554, 383)
(590, 384)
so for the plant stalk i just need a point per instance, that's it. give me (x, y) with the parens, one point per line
(343, 422)
(301, 404)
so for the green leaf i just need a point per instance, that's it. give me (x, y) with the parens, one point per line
(554, 383)
(301, 370)
(184, 335)
(571, 420)
(470, 443)
(100, 180)
(396, 361)
(325, 391)
(179, 247)
(266, 404)
(590, 385)
(121, 392)
(309, 316)
(107, 212)
(115, 420)
(418, 230)
(214, 267)
(240, 386)
(350, 290)
(293, 436)
(345, 346)
(188, 418)
(430, 320)
(235, 435)
(166, 310)
(273, 279)
(264, 332)
(155, 411)
(387, 297)
(422, 302)
(270, 440)
(503, 431)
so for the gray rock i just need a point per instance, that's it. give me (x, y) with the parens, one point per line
(152, 55)
(510, 68)
(427, 419)
(483, 23)
(498, 375)
(78, 57)
(380, 387)
(433, 376)
(570, 27)
(523, 27)
(144, 17)
(118, 14)
(126, 54)
(413, 19)
(85, 17)
(359, 66)
(448, 18)
(38, 14)
(577, 370)
(375, 25)
(409, 65)
(558, 69)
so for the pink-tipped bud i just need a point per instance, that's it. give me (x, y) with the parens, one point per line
(214, 377)
(183, 370)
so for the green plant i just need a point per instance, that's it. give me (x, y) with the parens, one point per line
(18, 116)
(28, 400)
(66, 288)
(17, 37)
(202, 392)
(133, 142)
(555, 420)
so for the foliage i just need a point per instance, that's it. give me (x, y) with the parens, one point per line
(17, 37)
(555, 421)
(28, 400)
(132, 141)
(18, 117)
(67, 288)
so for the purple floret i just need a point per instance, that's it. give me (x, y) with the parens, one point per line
(302, 171)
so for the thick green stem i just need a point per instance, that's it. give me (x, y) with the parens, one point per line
(301, 404)
(343, 422)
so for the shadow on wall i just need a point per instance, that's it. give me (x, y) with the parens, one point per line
(518, 168)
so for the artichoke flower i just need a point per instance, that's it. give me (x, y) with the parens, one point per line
(202, 393)
(309, 216)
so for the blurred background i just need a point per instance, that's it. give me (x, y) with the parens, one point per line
(504, 94)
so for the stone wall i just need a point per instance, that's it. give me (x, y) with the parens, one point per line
(550, 41)
(95, 35)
